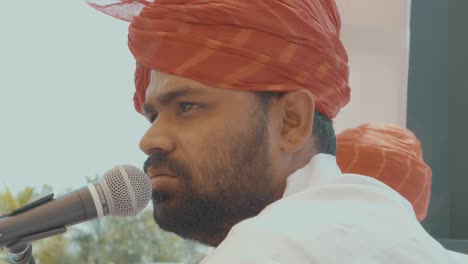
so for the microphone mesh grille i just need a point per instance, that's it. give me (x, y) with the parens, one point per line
(127, 190)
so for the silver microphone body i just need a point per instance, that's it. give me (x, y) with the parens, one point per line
(123, 191)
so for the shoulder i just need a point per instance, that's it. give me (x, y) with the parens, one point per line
(351, 219)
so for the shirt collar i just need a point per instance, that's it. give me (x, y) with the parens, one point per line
(321, 168)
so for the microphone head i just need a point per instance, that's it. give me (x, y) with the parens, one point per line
(127, 190)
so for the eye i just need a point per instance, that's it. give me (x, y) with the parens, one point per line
(186, 106)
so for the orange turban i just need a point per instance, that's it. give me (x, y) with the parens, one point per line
(243, 45)
(269, 45)
(390, 154)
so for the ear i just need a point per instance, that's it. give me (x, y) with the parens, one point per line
(297, 110)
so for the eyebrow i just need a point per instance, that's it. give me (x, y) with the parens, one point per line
(171, 96)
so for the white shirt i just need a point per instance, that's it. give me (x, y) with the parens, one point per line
(327, 217)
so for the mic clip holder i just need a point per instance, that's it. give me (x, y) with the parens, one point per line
(36, 236)
(20, 253)
(20, 250)
(31, 205)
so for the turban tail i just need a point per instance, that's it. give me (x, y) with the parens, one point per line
(274, 45)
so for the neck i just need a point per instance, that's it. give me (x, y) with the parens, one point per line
(300, 159)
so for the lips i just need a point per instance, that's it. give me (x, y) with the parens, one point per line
(154, 173)
(159, 174)
(161, 179)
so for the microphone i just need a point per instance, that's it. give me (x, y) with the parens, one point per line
(123, 191)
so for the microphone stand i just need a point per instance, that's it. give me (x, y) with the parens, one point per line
(20, 253)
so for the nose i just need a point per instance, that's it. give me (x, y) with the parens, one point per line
(157, 139)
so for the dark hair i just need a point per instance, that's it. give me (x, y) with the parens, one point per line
(322, 130)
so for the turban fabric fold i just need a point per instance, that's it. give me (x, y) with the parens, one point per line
(269, 45)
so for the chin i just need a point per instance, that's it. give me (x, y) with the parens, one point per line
(163, 214)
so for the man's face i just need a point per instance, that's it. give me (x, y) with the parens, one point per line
(209, 157)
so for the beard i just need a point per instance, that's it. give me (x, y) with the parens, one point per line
(233, 184)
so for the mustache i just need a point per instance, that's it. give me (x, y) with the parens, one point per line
(161, 160)
(154, 161)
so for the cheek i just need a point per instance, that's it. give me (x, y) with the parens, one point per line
(205, 144)
(205, 154)
(205, 136)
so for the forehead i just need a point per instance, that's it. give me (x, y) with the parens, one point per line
(161, 83)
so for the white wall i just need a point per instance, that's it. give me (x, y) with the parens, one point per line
(376, 36)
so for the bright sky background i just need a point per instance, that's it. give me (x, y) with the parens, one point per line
(66, 87)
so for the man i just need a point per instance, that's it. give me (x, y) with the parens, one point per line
(240, 96)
